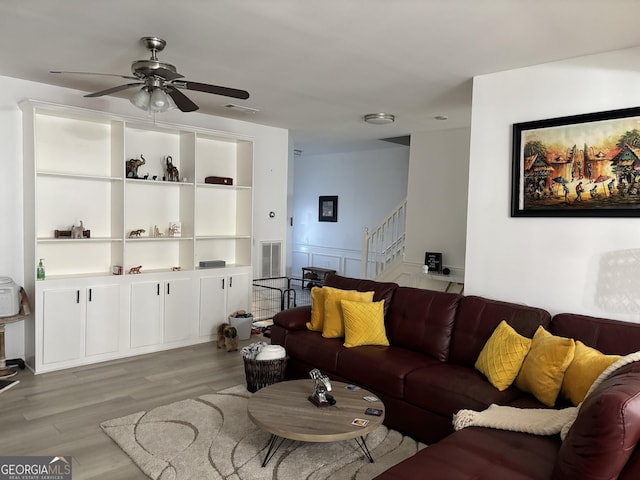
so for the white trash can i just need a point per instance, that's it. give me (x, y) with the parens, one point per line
(243, 326)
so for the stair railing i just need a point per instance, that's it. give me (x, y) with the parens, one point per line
(384, 243)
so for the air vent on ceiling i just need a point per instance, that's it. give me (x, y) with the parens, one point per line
(241, 108)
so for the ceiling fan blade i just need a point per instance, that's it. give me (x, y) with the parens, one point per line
(215, 89)
(128, 77)
(181, 100)
(166, 73)
(109, 91)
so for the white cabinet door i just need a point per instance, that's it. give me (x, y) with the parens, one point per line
(212, 305)
(62, 325)
(146, 314)
(103, 319)
(178, 310)
(237, 292)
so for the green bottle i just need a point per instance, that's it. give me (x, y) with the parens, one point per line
(40, 272)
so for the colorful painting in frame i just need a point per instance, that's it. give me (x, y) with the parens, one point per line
(578, 166)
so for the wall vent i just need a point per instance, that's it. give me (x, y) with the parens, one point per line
(271, 259)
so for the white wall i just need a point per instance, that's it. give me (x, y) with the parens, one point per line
(270, 172)
(369, 184)
(579, 265)
(437, 196)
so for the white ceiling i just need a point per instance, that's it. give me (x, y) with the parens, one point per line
(314, 67)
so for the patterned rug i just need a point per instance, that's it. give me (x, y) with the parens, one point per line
(211, 437)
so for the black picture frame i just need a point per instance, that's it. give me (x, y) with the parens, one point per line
(328, 208)
(598, 151)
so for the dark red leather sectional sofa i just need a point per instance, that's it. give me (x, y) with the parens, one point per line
(427, 374)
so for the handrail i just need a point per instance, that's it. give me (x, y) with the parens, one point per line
(384, 243)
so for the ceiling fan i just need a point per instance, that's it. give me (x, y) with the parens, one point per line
(160, 83)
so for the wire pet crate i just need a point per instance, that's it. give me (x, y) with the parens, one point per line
(272, 295)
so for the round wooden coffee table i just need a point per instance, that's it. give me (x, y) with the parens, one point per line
(283, 409)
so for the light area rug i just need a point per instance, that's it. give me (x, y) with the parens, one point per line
(211, 437)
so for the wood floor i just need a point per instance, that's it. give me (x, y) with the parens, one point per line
(59, 413)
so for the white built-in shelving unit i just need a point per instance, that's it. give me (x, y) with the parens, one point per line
(74, 170)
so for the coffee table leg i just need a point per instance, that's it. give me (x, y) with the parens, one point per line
(272, 451)
(363, 446)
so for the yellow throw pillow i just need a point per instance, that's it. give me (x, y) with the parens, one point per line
(363, 323)
(543, 370)
(317, 310)
(333, 326)
(588, 363)
(502, 356)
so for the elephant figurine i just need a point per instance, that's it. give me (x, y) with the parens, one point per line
(132, 166)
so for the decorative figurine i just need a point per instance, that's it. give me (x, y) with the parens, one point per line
(322, 385)
(133, 270)
(132, 166)
(172, 172)
(136, 233)
(77, 231)
(175, 229)
(176, 269)
(156, 232)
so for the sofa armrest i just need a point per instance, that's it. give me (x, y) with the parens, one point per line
(606, 431)
(294, 318)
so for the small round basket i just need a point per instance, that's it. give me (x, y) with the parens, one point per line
(260, 373)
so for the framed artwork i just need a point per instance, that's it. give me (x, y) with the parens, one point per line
(328, 209)
(578, 166)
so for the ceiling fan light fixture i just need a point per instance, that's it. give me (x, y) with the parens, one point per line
(379, 118)
(172, 104)
(141, 99)
(159, 101)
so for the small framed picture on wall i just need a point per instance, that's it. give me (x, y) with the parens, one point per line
(328, 208)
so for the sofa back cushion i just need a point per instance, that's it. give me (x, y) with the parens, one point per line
(381, 290)
(611, 337)
(478, 317)
(606, 431)
(422, 320)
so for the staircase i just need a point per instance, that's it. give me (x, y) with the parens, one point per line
(384, 244)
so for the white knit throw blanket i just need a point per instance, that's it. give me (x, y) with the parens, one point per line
(538, 421)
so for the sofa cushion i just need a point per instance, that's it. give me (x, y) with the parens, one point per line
(363, 323)
(477, 318)
(444, 389)
(333, 326)
(587, 365)
(476, 453)
(381, 290)
(608, 336)
(422, 321)
(502, 356)
(543, 370)
(606, 431)
(379, 368)
(317, 310)
(313, 348)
